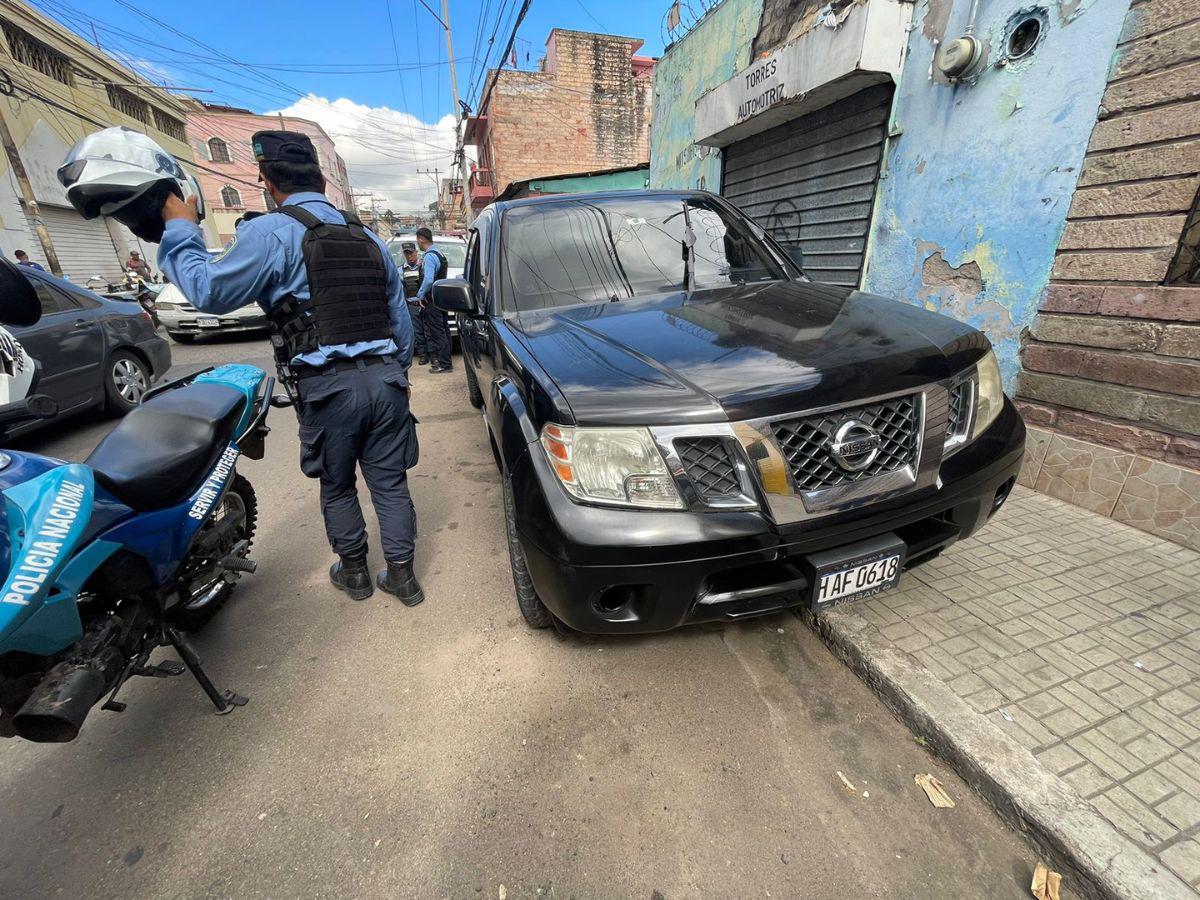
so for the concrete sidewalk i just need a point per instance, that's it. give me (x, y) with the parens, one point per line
(1078, 638)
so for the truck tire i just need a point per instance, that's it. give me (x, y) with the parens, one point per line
(535, 612)
(474, 394)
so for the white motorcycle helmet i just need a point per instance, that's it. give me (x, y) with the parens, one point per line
(122, 173)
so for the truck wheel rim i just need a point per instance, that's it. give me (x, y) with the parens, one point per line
(129, 379)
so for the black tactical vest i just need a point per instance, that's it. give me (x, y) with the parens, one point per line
(443, 265)
(347, 287)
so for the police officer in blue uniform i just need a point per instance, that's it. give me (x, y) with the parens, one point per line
(411, 273)
(343, 345)
(437, 328)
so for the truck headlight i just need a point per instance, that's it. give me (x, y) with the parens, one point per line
(989, 394)
(620, 466)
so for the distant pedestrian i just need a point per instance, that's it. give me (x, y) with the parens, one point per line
(24, 260)
(411, 273)
(137, 265)
(437, 329)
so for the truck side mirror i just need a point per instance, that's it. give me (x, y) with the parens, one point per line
(455, 295)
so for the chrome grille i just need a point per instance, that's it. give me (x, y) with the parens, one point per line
(805, 442)
(960, 409)
(710, 467)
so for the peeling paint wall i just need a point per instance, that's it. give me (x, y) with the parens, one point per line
(712, 52)
(979, 178)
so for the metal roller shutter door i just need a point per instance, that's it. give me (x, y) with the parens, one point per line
(84, 246)
(812, 181)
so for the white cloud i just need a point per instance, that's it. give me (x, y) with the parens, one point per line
(383, 148)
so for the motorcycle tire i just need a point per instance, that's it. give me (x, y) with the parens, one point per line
(194, 619)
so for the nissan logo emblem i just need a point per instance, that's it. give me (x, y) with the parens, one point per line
(854, 446)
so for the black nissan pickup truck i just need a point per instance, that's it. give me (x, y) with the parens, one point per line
(689, 429)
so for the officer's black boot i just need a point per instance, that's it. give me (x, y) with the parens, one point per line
(399, 579)
(422, 359)
(351, 575)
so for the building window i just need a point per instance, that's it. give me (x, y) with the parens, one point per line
(128, 103)
(230, 198)
(1185, 268)
(29, 51)
(269, 202)
(169, 125)
(218, 150)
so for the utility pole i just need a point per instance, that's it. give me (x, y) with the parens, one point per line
(458, 150)
(27, 197)
(435, 174)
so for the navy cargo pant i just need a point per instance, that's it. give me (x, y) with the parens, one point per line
(418, 327)
(355, 415)
(437, 334)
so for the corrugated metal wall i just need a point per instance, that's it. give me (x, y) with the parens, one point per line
(812, 181)
(84, 246)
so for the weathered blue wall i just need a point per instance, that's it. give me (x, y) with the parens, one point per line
(711, 53)
(978, 182)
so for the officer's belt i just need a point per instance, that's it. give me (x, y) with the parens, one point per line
(343, 365)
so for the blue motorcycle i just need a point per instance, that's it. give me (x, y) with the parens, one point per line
(110, 559)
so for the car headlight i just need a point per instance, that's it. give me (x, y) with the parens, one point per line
(989, 394)
(620, 466)
(166, 304)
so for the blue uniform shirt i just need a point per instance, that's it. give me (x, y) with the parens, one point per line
(430, 264)
(264, 263)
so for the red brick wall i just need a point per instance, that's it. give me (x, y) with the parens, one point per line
(1114, 357)
(587, 111)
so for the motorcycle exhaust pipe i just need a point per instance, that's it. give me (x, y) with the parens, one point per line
(56, 707)
(55, 710)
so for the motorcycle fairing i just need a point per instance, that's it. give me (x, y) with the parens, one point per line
(246, 379)
(46, 517)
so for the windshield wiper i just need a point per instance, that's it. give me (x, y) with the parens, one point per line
(689, 252)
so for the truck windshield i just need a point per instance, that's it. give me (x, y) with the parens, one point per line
(596, 250)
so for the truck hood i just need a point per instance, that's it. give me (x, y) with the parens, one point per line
(740, 352)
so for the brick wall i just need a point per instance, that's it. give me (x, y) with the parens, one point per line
(587, 110)
(1111, 365)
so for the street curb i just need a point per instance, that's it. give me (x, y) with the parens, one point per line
(1097, 860)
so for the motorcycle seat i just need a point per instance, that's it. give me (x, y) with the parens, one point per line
(160, 452)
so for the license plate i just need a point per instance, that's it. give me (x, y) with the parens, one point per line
(208, 322)
(856, 572)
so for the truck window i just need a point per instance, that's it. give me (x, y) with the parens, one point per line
(598, 250)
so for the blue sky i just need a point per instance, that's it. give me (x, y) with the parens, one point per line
(337, 63)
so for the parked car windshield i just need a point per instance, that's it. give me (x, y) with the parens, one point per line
(594, 250)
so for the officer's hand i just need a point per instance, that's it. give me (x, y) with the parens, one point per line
(175, 208)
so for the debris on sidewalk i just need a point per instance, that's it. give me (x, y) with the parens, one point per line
(846, 781)
(1045, 883)
(934, 791)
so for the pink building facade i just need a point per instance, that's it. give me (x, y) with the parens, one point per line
(220, 137)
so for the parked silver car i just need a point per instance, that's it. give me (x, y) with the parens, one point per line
(184, 322)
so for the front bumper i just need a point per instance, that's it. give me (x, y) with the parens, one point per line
(188, 322)
(605, 570)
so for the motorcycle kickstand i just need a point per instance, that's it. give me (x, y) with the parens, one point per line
(224, 701)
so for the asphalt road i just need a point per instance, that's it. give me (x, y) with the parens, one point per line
(449, 751)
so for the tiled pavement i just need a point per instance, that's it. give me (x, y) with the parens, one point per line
(1080, 637)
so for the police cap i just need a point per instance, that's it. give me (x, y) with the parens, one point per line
(408, 245)
(283, 146)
